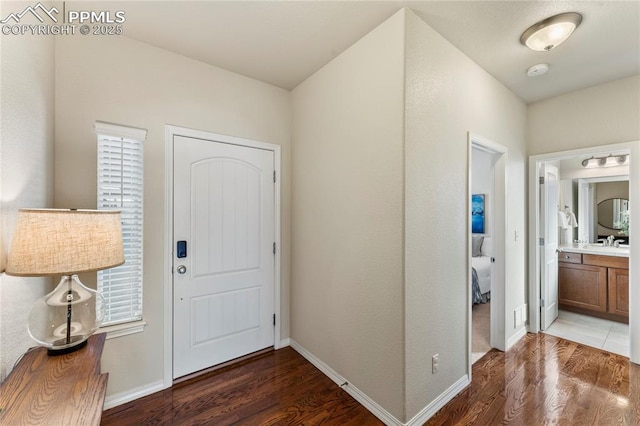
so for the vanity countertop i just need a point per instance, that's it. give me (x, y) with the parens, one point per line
(598, 249)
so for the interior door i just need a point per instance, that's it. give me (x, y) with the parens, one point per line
(548, 252)
(223, 255)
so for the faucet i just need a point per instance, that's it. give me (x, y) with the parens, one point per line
(610, 240)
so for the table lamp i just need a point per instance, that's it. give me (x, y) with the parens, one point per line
(50, 242)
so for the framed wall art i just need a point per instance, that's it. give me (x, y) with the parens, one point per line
(477, 214)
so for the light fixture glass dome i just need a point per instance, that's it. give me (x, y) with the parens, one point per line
(589, 162)
(622, 160)
(551, 32)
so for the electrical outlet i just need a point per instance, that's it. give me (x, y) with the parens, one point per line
(434, 363)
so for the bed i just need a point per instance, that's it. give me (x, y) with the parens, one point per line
(481, 269)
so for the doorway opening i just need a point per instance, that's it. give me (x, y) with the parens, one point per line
(595, 314)
(487, 212)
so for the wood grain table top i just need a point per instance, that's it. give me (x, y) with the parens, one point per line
(55, 390)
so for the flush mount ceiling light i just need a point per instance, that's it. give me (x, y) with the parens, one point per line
(551, 32)
(610, 161)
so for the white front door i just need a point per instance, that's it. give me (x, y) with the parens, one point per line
(223, 254)
(548, 252)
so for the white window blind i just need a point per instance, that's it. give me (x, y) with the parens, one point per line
(120, 187)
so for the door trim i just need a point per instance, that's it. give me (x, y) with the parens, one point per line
(498, 291)
(170, 132)
(633, 148)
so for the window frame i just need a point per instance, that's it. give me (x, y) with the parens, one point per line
(137, 136)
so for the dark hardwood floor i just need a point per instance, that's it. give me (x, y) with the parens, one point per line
(276, 388)
(541, 380)
(545, 380)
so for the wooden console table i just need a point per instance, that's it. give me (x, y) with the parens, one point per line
(56, 390)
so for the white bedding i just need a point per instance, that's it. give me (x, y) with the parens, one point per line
(482, 264)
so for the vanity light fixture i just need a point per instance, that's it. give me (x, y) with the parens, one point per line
(551, 32)
(610, 161)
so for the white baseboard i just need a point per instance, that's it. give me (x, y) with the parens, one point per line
(519, 335)
(283, 343)
(135, 393)
(427, 412)
(368, 403)
(356, 393)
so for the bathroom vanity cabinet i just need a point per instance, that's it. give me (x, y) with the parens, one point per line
(618, 291)
(594, 284)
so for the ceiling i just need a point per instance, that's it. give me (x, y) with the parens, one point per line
(284, 42)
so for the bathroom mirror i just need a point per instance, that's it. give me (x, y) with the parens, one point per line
(612, 211)
(595, 194)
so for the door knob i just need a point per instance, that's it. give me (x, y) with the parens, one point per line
(182, 269)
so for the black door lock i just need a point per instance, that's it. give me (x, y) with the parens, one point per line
(182, 249)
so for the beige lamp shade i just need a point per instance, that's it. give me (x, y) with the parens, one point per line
(65, 242)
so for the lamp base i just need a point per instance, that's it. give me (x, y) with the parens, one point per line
(65, 318)
(67, 349)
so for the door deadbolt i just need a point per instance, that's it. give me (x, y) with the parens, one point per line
(181, 249)
(182, 269)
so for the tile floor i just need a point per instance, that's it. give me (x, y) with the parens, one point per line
(595, 332)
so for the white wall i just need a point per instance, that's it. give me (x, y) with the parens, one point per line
(448, 95)
(119, 80)
(347, 248)
(344, 124)
(26, 173)
(595, 116)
